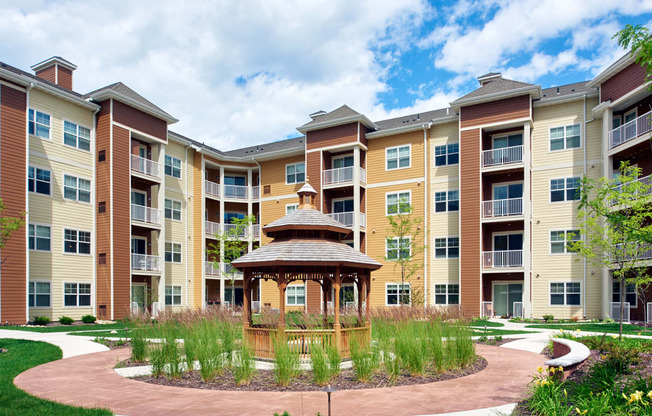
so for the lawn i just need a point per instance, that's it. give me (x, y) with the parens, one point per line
(120, 333)
(485, 322)
(610, 328)
(21, 356)
(69, 328)
(493, 331)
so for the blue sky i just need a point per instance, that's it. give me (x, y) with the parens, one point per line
(238, 73)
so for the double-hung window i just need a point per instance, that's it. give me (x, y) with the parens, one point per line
(290, 208)
(559, 240)
(398, 248)
(397, 294)
(447, 201)
(173, 209)
(38, 180)
(447, 154)
(566, 137)
(76, 189)
(447, 294)
(77, 294)
(296, 295)
(447, 248)
(39, 294)
(567, 293)
(172, 166)
(397, 157)
(172, 252)
(398, 203)
(77, 242)
(39, 124)
(295, 173)
(76, 136)
(39, 237)
(630, 293)
(172, 295)
(565, 189)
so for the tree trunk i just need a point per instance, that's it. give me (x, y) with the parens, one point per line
(622, 308)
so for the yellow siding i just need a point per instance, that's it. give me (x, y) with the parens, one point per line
(376, 163)
(273, 174)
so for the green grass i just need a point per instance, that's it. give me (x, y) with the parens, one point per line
(493, 331)
(595, 327)
(22, 356)
(68, 328)
(120, 333)
(485, 322)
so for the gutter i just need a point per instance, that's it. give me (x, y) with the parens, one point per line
(94, 191)
(186, 227)
(29, 87)
(584, 266)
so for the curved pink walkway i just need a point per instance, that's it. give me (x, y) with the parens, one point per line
(89, 381)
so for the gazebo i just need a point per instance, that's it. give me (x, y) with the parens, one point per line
(307, 246)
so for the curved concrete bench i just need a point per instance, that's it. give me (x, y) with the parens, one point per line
(568, 354)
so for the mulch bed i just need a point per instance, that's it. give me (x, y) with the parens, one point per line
(494, 343)
(264, 380)
(115, 345)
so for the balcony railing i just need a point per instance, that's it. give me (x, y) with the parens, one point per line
(145, 166)
(228, 269)
(346, 218)
(229, 227)
(502, 208)
(363, 219)
(211, 269)
(236, 191)
(211, 228)
(630, 130)
(256, 192)
(646, 189)
(499, 259)
(145, 262)
(343, 175)
(145, 214)
(502, 156)
(255, 228)
(638, 251)
(614, 311)
(212, 188)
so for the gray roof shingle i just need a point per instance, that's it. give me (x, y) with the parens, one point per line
(122, 89)
(575, 88)
(414, 119)
(307, 217)
(495, 86)
(342, 112)
(39, 79)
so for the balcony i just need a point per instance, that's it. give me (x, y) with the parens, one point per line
(631, 130)
(145, 167)
(212, 189)
(502, 156)
(346, 218)
(211, 228)
(232, 228)
(255, 228)
(236, 192)
(500, 208)
(210, 269)
(646, 188)
(343, 176)
(230, 270)
(144, 214)
(145, 262)
(502, 259)
(256, 192)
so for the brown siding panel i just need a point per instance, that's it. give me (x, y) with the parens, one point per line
(48, 74)
(625, 81)
(121, 221)
(13, 168)
(313, 171)
(140, 121)
(103, 224)
(313, 297)
(332, 136)
(470, 230)
(495, 111)
(65, 77)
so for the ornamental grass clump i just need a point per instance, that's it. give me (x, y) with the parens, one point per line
(243, 365)
(172, 354)
(411, 347)
(209, 350)
(138, 346)
(321, 371)
(157, 359)
(334, 359)
(286, 361)
(365, 359)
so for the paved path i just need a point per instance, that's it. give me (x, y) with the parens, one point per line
(71, 345)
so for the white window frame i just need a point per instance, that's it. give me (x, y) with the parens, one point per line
(398, 247)
(448, 247)
(346, 198)
(397, 193)
(35, 224)
(617, 282)
(295, 173)
(565, 241)
(564, 138)
(173, 252)
(295, 295)
(550, 201)
(172, 159)
(76, 252)
(77, 295)
(446, 154)
(565, 293)
(632, 111)
(49, 138)
(447, 294)
(30, 295)
(77, 189)
(398, 157)
(172, 210)
(77, 136)
(36, 180)
(447, 201)
(293, 206)
(506, 135)
(398, 293)
(334, 158)
(174, 296)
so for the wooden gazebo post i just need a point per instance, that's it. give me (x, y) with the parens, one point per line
(367, 295)
(282, 285)
(358, 283)
(337, 327)
(246, 302)
(325, 288)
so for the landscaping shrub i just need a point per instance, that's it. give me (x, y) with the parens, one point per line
(548, 318)
(319, 362)
(66, 320)
(364, 360)
(138, 346)
(244, 366)
(286, 361)
(334, 359)
(157, 359)
(41, 320)
(88, 319)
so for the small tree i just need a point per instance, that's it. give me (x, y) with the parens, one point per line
(231, 244)
(638, 37)
(8, 225)
(404, 243)
(616, 223)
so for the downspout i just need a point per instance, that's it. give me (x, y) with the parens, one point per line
(425, 210)
(31, 85)
(94, 191)
(584, 266)
(186, 227)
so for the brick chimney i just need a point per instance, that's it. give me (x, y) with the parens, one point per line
(56, 70)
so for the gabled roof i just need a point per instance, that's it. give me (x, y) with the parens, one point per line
(298, 143)
(339, 116)
(123, 93)
(496, 88)
(38, 79)
(51, 61)
(613, 69)
(565, 90)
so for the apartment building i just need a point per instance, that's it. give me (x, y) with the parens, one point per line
(120, 210)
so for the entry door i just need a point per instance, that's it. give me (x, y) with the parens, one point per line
(239, 296)
(345, 205)
(138, 246)
(508, 242)
(139, 296)
(342, 162)
(502, 193)
(505, 294)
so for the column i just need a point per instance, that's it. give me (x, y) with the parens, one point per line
(607, 172)
(246, 297)
(356, 198)
(282, 285)
(367, 298)
(221, 228)
(527, 221)
(161, 235)
(250, 211)
(337, 283)
(358, 285)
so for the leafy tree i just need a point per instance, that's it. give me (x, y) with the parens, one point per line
(616, 222)
(231, 244)
(404, 243)
(8, 225)
(638, 38)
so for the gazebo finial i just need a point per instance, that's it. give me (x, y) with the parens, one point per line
(307, 196)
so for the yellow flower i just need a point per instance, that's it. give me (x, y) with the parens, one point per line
(638, 333)
(649, 394)
(614, 336)
(540, 369)
(537, 382)
(603, 357)
(565, 393)
(578, 330)
(552, 370)
(561, 369)
(635, 397)
(581, 412)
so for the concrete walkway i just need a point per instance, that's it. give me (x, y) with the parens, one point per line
(71, 345)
